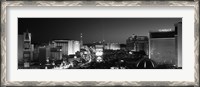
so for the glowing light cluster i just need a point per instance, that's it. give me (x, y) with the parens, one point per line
(99, 59)
(99, 53)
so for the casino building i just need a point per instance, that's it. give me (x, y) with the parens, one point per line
(137, 43)
(69, 47)
(165, 45)
(58, 48)
(25, 49)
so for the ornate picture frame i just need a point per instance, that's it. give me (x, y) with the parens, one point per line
(5, 4)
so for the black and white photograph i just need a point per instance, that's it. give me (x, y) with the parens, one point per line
(99, 43)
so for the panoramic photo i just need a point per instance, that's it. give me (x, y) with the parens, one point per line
(99, 43)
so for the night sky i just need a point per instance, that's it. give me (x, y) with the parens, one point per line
(115, 30)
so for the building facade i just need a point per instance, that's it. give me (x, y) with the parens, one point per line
(56, 53)
(69, 47)
(163, 47)
(130, 42)
(112, 46)
(166, 46)
(137, 43)
(48, 52)
(27, 50)
(42, 56)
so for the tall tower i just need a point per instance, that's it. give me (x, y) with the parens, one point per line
(81, 40)
(27, 49)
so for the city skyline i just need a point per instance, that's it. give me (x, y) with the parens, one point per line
(115, 30)
(161, 50)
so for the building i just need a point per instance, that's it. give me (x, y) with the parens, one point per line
(112, 46)
(130, 42)
(69, 47)
(122, 46)
(74, 46)
(32, 50)
(142, 44)
(58, 48)
(42, 56)
(165, 46)
(20, 49)
(137, 43)
(48, 52)
(56, 53)
(36, 54)
(27, 50)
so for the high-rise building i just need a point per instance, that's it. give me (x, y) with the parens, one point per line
(137, 43)
(130, 42)
(165, 46)
(27, 49)
(56, 53)
(48, 52)
(69, 47)
(42, 56)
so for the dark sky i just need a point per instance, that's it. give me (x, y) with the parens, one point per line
(93, 29)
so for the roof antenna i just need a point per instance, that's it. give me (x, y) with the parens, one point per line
(103, 37)
(81, 39)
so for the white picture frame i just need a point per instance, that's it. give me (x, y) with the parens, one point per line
(89, 4)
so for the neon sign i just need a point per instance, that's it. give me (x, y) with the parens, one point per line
(164, 30)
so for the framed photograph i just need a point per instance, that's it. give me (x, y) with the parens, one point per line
(100, 43)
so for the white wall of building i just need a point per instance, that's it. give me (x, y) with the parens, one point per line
(73, 47)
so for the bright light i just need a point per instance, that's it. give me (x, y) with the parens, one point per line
(99, 53)
(164, 30)
(99, 59)
(47, 60)
(85, 52)
(76, 43)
